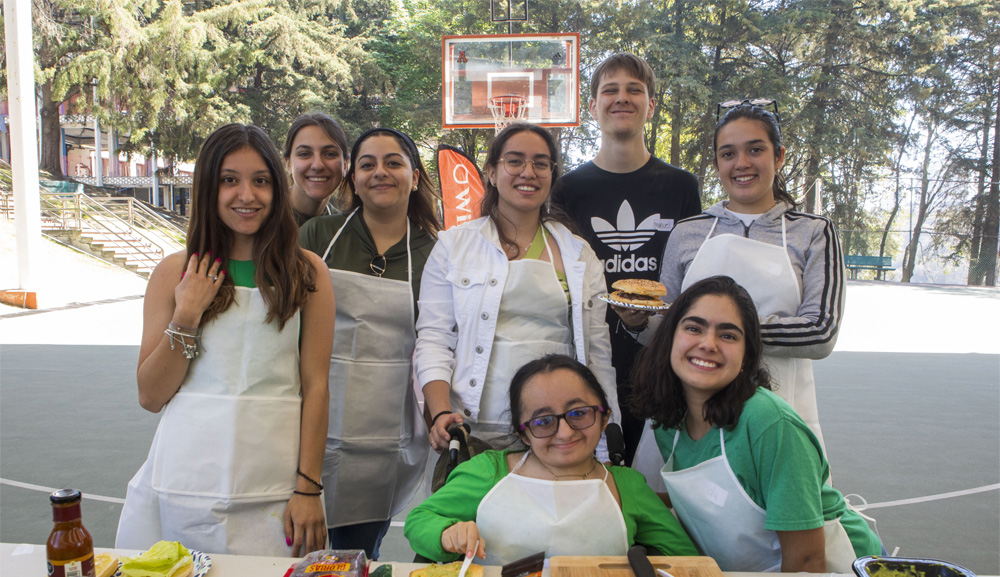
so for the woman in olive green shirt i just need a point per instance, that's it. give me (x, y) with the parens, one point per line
(376, 444)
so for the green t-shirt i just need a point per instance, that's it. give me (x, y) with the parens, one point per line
(780, 464)
(647, 520)
(242, 271)
(355, 248)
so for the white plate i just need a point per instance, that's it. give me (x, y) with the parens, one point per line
(607, 298)
(202, 563)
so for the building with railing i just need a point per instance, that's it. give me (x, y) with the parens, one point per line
(91, 154)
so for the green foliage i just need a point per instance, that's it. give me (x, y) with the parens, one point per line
(848, 77)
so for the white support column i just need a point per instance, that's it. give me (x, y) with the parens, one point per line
(154, 198)
(23, 138)
(112, 152)
(98, 145)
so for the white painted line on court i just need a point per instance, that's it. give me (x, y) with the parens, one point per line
(915, 500)
(937, 497)
(51, 489)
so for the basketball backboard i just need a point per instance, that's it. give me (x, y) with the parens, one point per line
(542, 69)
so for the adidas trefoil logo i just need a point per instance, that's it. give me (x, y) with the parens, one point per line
(626, 236)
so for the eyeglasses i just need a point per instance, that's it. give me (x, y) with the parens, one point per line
(578, 418)
(764, 103)
(514, 165)
(377, 265)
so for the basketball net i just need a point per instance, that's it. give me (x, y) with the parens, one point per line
(507, 109)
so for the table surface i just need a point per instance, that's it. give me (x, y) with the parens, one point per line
(24, 560)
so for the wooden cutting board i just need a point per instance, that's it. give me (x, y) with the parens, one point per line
(619, 567)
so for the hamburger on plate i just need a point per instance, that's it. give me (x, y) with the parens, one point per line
(637, 291)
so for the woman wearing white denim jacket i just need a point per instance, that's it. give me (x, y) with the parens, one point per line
(491, 300)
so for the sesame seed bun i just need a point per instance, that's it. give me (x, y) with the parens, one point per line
(637, 291)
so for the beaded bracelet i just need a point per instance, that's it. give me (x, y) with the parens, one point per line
(307, 494)
(308, 478)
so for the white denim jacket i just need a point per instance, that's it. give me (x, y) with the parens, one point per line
(460, 294)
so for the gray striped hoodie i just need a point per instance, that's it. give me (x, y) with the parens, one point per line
(816, 257)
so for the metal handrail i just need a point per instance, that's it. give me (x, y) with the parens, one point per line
(81, 207)
(138, 214)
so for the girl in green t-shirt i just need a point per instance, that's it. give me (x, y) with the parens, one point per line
(743, 472)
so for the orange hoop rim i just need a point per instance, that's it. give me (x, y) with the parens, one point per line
(507, 109)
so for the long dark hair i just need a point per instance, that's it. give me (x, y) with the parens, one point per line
(422, 205)
(491, 195)
(769, 122)
(283, 273)
(549, 364)
(658, 393)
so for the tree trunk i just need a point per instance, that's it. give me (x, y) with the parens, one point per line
(51, 134)
(676, 111)
(977, 276)
(676, 121)
(820, 101)
(910, 259)
(898, 197)
(655, 122)
(991, 224)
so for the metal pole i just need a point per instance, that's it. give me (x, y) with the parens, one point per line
(155, 196)
(23, 137)
(112, 152)
(99, 161)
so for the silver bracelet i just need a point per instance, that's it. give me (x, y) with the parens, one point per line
(181, 336)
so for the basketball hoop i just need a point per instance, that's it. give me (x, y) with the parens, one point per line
(507, 109)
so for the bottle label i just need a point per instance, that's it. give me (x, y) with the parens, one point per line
(82, 567)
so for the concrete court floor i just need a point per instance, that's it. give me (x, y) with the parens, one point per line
(909, 402)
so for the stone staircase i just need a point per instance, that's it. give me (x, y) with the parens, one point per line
(122, 231)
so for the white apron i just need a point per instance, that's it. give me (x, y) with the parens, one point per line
(377, 443)
(533, 321)
(222, 465)
(521, 516)
(728, 525)
(766, 272)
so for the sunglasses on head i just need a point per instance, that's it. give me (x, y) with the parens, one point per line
(769, 104)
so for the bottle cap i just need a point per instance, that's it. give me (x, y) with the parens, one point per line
(65, 496)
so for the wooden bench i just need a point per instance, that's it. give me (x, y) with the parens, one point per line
(879, 264)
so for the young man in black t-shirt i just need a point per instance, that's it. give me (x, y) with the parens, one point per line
(625, 202)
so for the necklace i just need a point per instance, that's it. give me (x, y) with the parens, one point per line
(524, 250)
(556, 477)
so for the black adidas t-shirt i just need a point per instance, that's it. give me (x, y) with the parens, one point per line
(626, 218)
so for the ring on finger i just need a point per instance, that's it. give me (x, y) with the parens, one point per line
(214, 277)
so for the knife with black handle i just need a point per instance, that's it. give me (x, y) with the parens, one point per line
(639, 562)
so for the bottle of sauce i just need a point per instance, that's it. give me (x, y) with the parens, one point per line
(70, 548)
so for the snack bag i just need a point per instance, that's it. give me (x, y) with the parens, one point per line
(333, 563)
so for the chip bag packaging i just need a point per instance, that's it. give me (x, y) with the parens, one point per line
(333, 563)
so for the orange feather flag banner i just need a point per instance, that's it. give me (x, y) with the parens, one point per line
(461, 185)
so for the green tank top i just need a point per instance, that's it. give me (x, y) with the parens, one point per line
(242, 271)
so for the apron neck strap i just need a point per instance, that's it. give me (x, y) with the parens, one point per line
(712, 229)
(340, 230)
(409, 259)
(521, 462)
(528, 452)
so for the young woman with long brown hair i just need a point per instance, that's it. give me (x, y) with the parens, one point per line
(235, 350)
